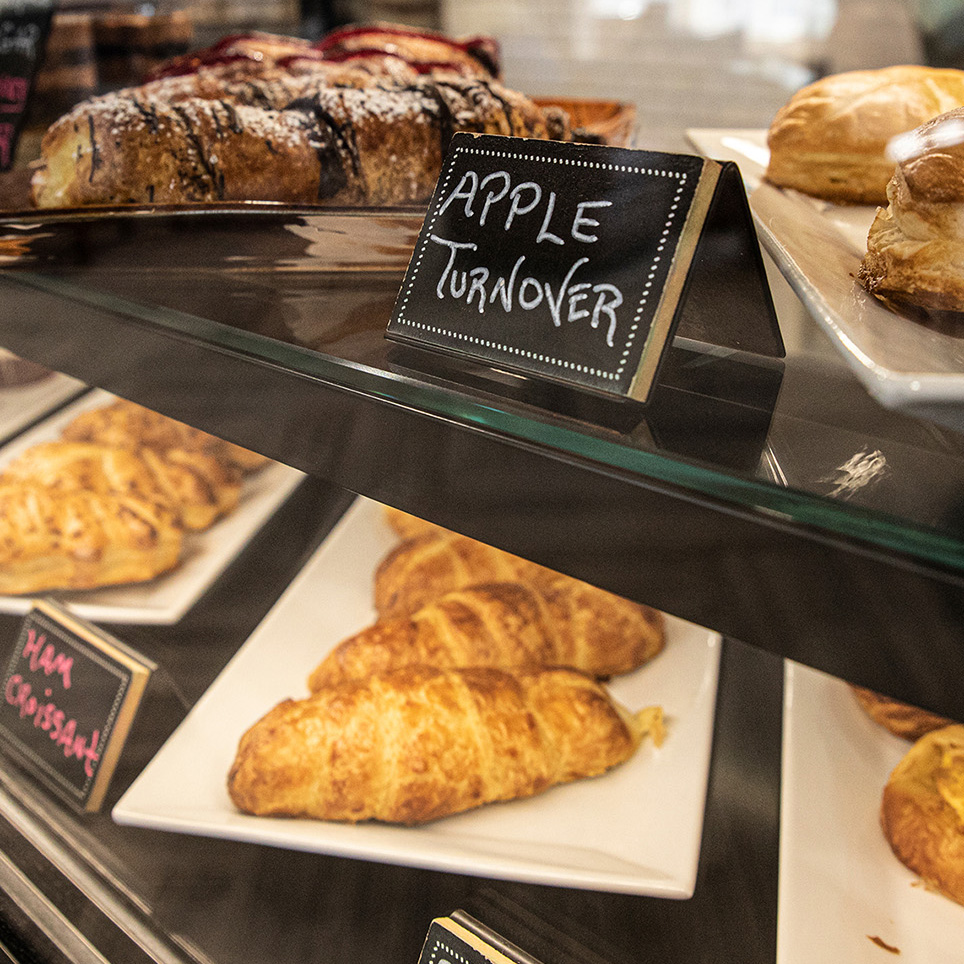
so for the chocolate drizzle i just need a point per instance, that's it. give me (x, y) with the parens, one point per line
(209, 171)
(95, 158)
(334, 143)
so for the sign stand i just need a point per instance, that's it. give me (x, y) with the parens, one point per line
(24, 28)
(460, 939)
(575, 265)
(70, 696)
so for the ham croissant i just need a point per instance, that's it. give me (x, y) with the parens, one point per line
(194, 486)
(422, 743)
(81, 539)
(506, 624)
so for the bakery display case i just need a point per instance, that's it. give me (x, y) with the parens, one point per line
(799, 530)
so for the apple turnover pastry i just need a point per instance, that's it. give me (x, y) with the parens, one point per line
(922, 811)
(81, 539)
(423, 743)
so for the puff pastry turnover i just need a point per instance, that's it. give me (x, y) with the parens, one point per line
(922, 810)
(830, 138)
(81, 539)
(125, 424)
(422, 743)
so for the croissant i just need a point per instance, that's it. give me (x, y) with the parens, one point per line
(81, 539)
(126, 425)
(373, 145)
(192, 485)
(408, 526)
(420, 570)
(422, 743)
(922, 810)
(504, 625)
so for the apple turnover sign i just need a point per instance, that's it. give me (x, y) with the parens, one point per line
(559, 260)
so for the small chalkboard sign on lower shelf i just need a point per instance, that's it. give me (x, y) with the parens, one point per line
(460, 939)
(70, 695)
(572, 262)
(24, 28)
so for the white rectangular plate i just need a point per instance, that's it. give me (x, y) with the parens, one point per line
(840, 885)
(22, 404)
(635, 830)
(163, 600)
(818, 247)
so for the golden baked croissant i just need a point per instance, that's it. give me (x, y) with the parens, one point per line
(127, 425)
(195, 487)
(922, 810)
(408, 526)
(375, 145)
(423, 743)
(830, 138)
(503, 624)
(81, 539)
(420, 570)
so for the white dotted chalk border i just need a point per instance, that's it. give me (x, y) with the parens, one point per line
(537, 356)
(440, 945)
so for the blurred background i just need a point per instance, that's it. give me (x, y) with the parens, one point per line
(683, 63)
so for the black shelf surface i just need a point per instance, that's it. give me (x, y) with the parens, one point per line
(724, 502)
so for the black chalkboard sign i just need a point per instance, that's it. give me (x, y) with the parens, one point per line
(460, 939)
(70, 694)
(24, 27)
(564, 261)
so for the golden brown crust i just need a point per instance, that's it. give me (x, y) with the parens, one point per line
(504, 625)
(193, 487)
(901, 719)
(922, 810)
(829, 139)
(381, 144)
(421, 570)
(408, 526)
(81, 539)
(126, 425)
(915, 247)
(420, 743)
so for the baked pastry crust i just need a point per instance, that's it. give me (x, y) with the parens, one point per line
(915, 247)
(81, 539)
(193, 487)
(504, 625)
(381, 144)
(420, 570)
(922, 810)
(901, 719)
(126, 425)
(422, 743)
(829, 140)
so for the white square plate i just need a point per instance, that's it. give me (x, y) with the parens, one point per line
(818, 247)
(636, 829)
(841, 888)
(163, 600)
(22, 404)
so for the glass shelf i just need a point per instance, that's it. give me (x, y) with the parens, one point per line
(750, 496)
